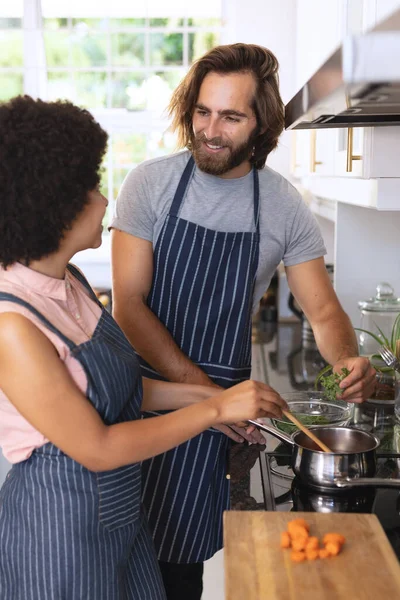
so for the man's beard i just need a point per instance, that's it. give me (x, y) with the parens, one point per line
(219, 164)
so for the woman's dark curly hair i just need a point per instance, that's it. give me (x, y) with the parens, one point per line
(50, 157)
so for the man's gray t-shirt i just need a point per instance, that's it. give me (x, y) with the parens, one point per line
(288, 230)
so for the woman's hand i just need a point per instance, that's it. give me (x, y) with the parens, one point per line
(247, 400)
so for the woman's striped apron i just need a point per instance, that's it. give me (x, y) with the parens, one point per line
(67, 533)
(202, 292)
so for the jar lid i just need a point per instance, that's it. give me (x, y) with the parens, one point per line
(385, 300)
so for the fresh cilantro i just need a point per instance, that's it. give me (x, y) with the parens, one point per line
(330, 383)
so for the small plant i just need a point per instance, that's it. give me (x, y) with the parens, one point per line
(330, 383)
(393, 342)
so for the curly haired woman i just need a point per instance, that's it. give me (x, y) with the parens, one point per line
(71, 393)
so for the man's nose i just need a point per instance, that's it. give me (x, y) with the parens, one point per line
(212, 130)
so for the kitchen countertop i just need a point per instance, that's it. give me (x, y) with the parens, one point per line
(261, 478)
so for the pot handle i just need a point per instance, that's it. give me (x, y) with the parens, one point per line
(367, 481)
(284, 437)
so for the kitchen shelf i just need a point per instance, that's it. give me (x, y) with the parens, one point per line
(382, 194)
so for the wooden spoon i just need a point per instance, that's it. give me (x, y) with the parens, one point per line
(304, 429)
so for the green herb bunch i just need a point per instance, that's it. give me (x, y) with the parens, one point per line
(330, 383)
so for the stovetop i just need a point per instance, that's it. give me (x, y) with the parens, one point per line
(285, 492)
(281, 359)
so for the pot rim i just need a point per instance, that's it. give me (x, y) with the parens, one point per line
(317, 430)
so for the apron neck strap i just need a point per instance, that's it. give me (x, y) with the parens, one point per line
(180, 190)
(183, 183)
(256, 203)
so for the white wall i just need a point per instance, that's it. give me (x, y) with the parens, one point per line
(271, 24)
(367, 252)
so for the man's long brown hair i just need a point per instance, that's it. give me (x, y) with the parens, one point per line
(267, 103)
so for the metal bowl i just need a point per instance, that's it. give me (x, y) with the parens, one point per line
(312, 409)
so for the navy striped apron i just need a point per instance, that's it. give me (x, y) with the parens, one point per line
(67, 533)
(202, 291)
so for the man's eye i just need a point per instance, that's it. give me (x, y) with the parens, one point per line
(232, 120)
(202, 113)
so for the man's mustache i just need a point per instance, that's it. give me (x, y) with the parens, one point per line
(217, 141)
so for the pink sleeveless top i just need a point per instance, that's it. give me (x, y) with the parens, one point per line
(66, 304)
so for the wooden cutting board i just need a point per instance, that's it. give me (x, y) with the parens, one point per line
(256, 568)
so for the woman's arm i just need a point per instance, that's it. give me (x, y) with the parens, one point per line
(163, 395)
(36, 381)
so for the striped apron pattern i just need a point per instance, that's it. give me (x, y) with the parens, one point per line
(67, 533)
(202, 291)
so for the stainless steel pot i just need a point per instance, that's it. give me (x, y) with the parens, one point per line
(353, 462)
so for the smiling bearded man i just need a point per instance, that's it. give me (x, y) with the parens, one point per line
(205, 230)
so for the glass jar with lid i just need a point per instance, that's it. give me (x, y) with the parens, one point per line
(377, 313)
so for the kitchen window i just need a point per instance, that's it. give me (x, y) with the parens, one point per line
(120, 60)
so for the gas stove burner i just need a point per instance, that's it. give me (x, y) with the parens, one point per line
(282, 471)
(306, 498)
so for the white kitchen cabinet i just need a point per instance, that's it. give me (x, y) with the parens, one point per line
(350, 153)
(382, 193)
(300, 153)
(368, 152)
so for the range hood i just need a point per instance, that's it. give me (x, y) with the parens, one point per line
(358, 86)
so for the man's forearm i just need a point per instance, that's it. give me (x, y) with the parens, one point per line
(152, 340)
(336, 338)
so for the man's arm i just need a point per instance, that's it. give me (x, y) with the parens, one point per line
(132, 273)
(310, 285)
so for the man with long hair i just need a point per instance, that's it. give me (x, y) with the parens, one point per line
(197, 237)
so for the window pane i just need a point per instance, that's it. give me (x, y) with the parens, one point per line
(10, 23)
(127, 23)
(166, 49)
(11, 84)
(88, 24)
(128, 91)
(60, 86)
(160, 143)
(88, 50)
(118, 177)
(57, 47)
(129, 149)
(127, 49)
(200, 42)
(160, 87)
(104, 177)
(166, 22)
(55, 24)
(90, 90)
(205, 23)
(11, 49)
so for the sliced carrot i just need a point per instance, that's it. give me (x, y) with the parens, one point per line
(301, 522)
(334, 537)
(285, 539)
(312, 543)
(312, 554)
(299, 543)
(297, 531)
(333, 548)
(297, 556)
(323, 553)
